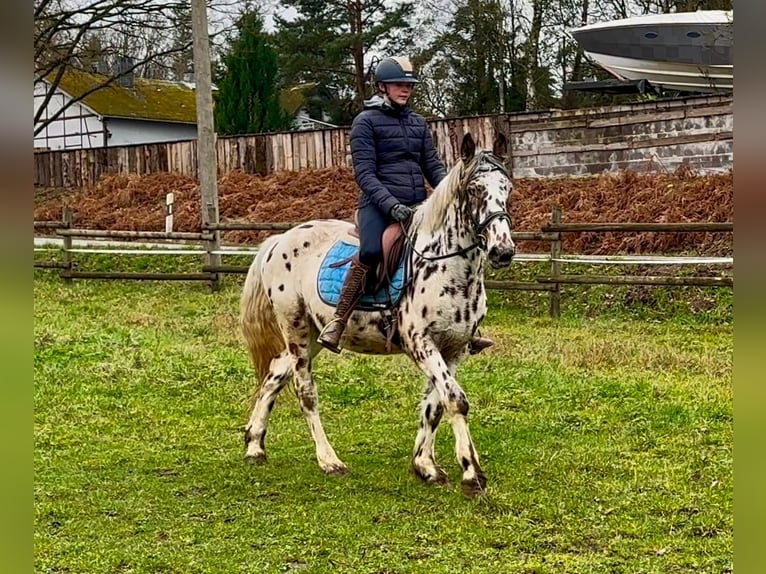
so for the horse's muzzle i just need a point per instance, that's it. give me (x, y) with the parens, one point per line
(501, 256)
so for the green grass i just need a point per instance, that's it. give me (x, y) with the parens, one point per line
(606, 437)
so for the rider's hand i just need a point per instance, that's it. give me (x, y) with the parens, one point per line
(401, 212)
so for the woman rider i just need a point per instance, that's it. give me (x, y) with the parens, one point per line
(392, 153)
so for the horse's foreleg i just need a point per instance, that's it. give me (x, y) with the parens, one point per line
(255, 432)
(455, 404)
(423, 461)
(306, 391)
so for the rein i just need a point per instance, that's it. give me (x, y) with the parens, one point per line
(483, 162)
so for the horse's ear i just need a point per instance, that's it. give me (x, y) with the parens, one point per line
(467, 148)
(500, 146)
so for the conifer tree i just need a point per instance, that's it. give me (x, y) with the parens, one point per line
(247, 100)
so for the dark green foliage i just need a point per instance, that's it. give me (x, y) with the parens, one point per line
(248, 86)
(327, 44)
(477, 66)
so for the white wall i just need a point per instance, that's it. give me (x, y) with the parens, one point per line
(78, 127)
(128, 132)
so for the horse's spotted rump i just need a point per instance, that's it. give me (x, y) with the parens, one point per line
(440, 311)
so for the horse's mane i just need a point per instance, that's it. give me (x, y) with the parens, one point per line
(435, 208)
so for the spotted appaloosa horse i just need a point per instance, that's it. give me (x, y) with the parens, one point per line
(463, 223)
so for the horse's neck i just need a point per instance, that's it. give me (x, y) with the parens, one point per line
(454, 234)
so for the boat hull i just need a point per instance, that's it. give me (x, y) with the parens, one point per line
(670, 75)
(689, 51)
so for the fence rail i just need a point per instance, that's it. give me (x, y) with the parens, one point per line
(639, 227)
(199, 244)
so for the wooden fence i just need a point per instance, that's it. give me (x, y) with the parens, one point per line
(660, 134)
(200, 244)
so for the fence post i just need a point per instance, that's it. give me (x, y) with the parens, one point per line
(213, 259)
(169, 212)
(66, 217)
(554, 308)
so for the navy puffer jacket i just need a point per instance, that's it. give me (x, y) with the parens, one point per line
(392, 150)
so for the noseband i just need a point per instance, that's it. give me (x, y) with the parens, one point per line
(483, 162)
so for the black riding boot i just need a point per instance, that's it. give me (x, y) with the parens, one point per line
(349, 297)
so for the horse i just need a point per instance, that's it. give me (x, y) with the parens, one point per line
(461, 225)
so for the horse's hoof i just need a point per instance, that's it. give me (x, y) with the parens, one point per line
(257, 458)
(436, 476)
(335, 469)
(440, 478)
(476, 486)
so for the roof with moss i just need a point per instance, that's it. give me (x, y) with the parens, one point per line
(148, 99)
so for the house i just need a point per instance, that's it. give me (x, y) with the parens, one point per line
(129, 111)
(293, 100)
(303, 121)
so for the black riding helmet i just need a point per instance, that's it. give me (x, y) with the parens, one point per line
(396, 70)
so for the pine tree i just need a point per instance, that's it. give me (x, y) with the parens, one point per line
(248, 88)
(328, 43)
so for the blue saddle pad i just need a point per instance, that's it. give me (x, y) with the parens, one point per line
(330, 280)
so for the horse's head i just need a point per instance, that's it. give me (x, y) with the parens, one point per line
(485, 188)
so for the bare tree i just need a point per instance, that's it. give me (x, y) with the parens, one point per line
(94, 35)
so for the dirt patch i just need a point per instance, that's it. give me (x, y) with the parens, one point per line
(132, 202)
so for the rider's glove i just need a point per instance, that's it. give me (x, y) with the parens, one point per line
(401, 212)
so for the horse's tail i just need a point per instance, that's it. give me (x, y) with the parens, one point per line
(257, 319)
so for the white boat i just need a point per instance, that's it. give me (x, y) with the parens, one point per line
(686, 51)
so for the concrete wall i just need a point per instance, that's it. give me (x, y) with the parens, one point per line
(651, 136)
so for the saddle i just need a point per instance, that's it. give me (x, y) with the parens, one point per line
(385, 284)
(393, 246)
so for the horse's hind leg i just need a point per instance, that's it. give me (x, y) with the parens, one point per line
(280, 370)
(423, 462)
(301, 344)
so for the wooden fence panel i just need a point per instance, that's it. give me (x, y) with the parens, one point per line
(697, 131)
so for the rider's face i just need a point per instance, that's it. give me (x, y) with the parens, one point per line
(399, 92)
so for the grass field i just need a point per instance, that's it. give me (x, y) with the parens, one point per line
(606, 437)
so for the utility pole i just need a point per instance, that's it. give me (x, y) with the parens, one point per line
(206, 155)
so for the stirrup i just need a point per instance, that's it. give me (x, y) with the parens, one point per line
(333, 346)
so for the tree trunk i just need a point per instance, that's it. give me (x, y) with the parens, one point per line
(357, 49)
(530, 55)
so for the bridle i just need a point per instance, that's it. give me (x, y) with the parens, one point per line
(483, 161)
